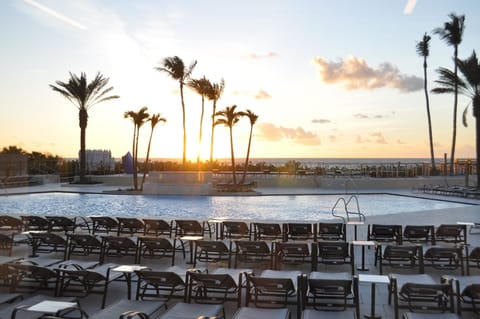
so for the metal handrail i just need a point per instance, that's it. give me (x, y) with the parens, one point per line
(346, 203)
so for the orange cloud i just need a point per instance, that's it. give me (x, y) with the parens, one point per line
(355, 74)
(264, 55)
(271, 132)
(262, 95)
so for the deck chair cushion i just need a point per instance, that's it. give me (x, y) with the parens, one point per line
(250, 313)
(187, 311)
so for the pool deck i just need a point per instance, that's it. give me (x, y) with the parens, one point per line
(433, 217)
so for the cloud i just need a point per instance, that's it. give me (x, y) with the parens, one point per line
(360, 116)
(56, 14)
(399, 141)
(271, 132)
(379, 138)
(262, 95)
(355, 74)
(259, 95)
(332, 138)
(260, 56)
(321, 121)
(409, 6)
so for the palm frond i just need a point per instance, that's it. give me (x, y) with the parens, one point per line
(423, 46)
(464, 117)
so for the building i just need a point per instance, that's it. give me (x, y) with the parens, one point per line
(99, 161)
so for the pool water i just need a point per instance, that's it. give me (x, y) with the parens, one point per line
(295, 207)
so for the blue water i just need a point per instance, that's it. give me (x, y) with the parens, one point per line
(299, 207)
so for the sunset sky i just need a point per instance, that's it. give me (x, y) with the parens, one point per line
(327, 78)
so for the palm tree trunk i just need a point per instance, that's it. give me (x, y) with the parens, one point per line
(146, 160)
(83, 120)
(455, 104)
(429, 118)
(133, 148)
(213, 132)
(135, 161)
(184, 158)
(476, 114)
(201, 131)
(232, 157)
(248, 155)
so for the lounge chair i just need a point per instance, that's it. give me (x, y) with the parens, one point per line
(183, 310)
(162, 285)
(118, 246)
(61, 223)
(385, 233)
(43, 242)
(420, 292)
(399, 256)
(129, 308)
(158, 247)
(333, 253)
(192, 228)
(253, 252)
(83, 282)
(10, 224)
(84, 245)
(467, 293)
(274, 289)
(235, 230)
(157, 227)
(211, 251)
(330, 295)
(33, 222)
(130, 225)
(444, 257)
(104, 224)
(6, 243)
(451, 233)
(332, 231)
(267, 231)
(300, 231)
(249, 313)
(292, 253)
(419, 234)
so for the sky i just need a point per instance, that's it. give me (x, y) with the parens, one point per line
(328, 79)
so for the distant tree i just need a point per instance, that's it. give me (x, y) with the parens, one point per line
(214, 94)
(13, 150)
(452, 33)
(229, 117)
(253, 119)
(138, 118)
(177, 70)
(202, 87)
(84, 95)
(468, 85)
(154, 120)
(423, 50)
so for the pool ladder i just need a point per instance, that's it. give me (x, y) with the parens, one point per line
(348, 214)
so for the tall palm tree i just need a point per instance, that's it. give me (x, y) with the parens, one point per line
(138, 118)
(228, 117)
(253, 119)
(469, 86)
(177, 70)
(423, 49)
(154, 120)
(452, 33)
(84, 95)
(214, 94)
(202, 87)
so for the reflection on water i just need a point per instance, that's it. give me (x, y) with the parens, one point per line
(302, 207)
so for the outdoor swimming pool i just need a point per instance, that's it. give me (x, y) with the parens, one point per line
(295, 207)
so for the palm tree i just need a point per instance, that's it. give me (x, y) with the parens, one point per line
(253, 119)
(214, 94)
(202, 87)
(154, 120)
(177, 70)
(229, 118)
(423, 49)
(452, 33)
(84, 95)
(138, 118)
(469, 86)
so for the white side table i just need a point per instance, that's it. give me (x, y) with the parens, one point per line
(373, 280)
